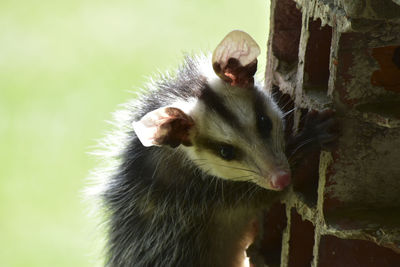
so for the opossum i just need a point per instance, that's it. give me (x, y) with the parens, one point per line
(202, 156)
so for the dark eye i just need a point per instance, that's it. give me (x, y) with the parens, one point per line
(227, 152)
(264, 125)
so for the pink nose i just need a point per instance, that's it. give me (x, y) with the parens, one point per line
(280, 180)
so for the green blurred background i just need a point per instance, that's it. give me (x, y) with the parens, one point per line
(64, 67)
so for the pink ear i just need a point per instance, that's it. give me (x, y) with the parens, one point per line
(164, 126)
(235, 59)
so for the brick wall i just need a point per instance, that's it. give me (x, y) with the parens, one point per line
(344, 206)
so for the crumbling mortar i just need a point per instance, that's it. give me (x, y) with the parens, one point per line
(333, 62)
(286, 239)
(284, 76)
(315, 100)
(381, 237)
(292, 200)
(383, 121)
(329, 13)
(324, 162)
(370, 9)
(363, 174)
(269, 69)
(304, 37)
(317, 241)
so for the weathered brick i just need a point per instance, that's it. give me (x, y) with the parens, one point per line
(274, 224)
(344, 55)
(335, 252)
(301, 241)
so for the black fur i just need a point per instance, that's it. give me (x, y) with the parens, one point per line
(164, 212)
(216, 104)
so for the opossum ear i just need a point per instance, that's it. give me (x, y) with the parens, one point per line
(164, 126)
(235, 59)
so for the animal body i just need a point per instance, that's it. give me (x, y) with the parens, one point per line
(202, 155)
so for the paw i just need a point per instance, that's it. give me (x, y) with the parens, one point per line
(322, 128)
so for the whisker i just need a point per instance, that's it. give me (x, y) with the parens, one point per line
(307, 141)
(288, 112)
(234, 168)
(240, 177)
(225, 166)
(252, 188)
(288, 102)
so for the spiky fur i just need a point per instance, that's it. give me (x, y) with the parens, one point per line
(161, 208)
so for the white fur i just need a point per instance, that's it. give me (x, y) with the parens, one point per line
(262, 162)
(262, 159)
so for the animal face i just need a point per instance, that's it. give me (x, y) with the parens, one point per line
(238, 136)
(230, 128)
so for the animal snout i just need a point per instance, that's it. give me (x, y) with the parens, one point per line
(280, 179)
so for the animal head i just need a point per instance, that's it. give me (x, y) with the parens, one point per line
(231, 129)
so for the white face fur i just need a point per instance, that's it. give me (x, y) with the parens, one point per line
(235, 149)
(233, 129)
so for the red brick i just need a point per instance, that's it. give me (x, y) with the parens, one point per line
(301, 241)
(334, 252)
(274, 224)
(317, 56)
(287, 29)
(388, 75)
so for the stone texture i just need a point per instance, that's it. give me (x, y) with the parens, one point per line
(345, 55)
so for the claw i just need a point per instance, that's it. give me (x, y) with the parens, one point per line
(320, 127)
